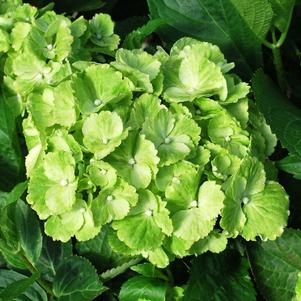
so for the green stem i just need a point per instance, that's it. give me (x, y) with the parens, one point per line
(278, 64)
(33, 270)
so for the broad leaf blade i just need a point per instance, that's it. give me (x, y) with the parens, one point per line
(283, 117)
(29, 232)
(11, 162)
(292, 165)
(140, 287)
(15, 286)
(276, 265)
(283, 10)
(76, 280)
(12, 196)
(53, 254)
(220, 277)
(15, 289)
(258, 14)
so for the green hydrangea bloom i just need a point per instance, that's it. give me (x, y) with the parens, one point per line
(164, 150)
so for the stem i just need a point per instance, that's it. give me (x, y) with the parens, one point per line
(33, 270)
(110, 274)
(278, 63)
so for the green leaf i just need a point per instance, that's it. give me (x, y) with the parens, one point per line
(283, 117)
(283, 10)
(7, 198)
(148, 270)
(292, 165)
(140, 287)
(17, 287)
(11, 162)
(99, 251)
(29, 232)
(52, 255)
(218, 22)
(276, 265)
(220, 277)
(135, 38)
(258, 15)
(76, 280)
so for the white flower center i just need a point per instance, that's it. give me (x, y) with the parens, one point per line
(104, 140)
(148, 212)
(193, 204)
(227, 138)
(245, 200)
(97, 102)
(49, 46)
(167, 140)
(132, 161)
(110, 198)
(39, 76)
(175, 180)
(64, 182)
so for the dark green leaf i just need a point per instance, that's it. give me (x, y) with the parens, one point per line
(283, 117)
(283, 10)
(222, 277)
(17, 287)
(7, 198)
(291, 164)
(136, 38)
(29, 232)
(143, 288)
(99, 252)
(276, 265)
(53, 254)
(148, 270)
(218, 22)
(76, 280)
(258, 15)
(9, 239)
(11, 162)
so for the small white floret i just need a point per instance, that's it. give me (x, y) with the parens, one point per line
(227, 138)
(175, 180)
(39, 76)
(49, 46)
(110, 198)
(193, 204)
(64, 182)
(132, 161)
(148, 212)
(167, 140)
(104, 140)
(97, 102)
(245, 200)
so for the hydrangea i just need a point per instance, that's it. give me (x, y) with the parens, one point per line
(166, 149)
